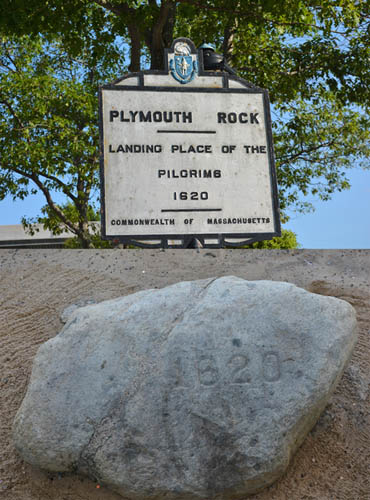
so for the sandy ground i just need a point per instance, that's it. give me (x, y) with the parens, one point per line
(36, 286)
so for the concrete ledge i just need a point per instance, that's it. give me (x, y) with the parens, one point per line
(156, 268)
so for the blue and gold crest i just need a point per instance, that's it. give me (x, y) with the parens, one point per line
(184, 64)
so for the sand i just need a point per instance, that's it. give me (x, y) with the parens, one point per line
(37, 285)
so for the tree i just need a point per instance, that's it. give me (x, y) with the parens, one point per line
(287, 241)
(48, 131)
(312, 56)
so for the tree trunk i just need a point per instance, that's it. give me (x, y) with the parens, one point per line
(135, 51)
(84, 235)
(161, 35)
(228, 43)
(169, 26)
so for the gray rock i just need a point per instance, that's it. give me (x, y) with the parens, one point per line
(67, 311)
(201, 390)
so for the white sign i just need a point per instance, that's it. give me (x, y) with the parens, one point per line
(186, 160)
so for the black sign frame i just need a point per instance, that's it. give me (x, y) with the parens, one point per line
(186, 239)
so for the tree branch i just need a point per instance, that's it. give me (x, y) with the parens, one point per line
(62, 185)
(33, 177)
(10, 58)
(289, 158)
(250, 14)
(120, 9)
(6, 103)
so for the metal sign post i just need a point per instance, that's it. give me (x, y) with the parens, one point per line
(186, 153)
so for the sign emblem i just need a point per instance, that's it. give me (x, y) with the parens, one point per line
(184, 65)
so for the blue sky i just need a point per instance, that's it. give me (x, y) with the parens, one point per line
(343, 222)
